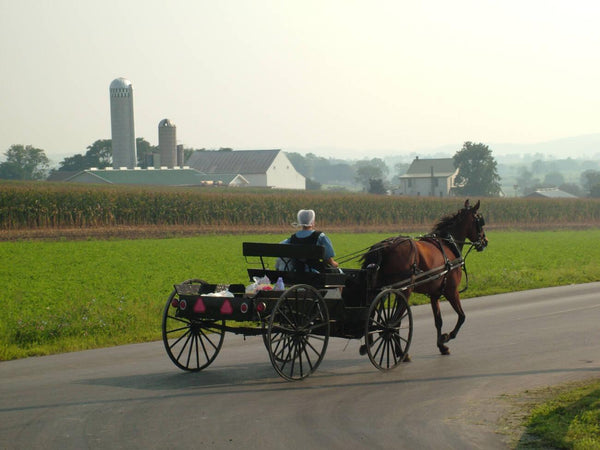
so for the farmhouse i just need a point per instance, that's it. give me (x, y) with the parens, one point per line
(162, 177)
(429, 177)
(261, 168)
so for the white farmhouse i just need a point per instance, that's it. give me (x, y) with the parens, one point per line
(429, 177)
(261, 168)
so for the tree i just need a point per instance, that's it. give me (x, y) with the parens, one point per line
(187, 152)
(144, 152)
(312, 185)
(554, 179)
(589, 179)
(366, 170)
(526, 183)
(477, 171)
(377, 186)
(595, 191)
(99, 155)
(24, 163)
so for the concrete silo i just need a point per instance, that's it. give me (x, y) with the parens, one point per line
(180, 155)
(167, 143)
(121, 122)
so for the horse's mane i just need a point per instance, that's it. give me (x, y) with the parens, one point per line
(445, 224)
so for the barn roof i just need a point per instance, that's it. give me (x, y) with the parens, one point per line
(423, 167)
(163, 177)
(551, 193)
(239, 161)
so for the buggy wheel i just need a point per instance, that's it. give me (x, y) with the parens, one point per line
(191, 344)
(298, 332)
(388, 330)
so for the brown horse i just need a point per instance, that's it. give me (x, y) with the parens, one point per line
(432, 263)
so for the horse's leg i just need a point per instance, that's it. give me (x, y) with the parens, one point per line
(437, 317)
(454, 299)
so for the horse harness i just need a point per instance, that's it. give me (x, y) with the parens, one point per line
(448, 239)
(438, 242)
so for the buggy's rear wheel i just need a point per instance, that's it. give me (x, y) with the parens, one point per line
(192, 344)
(298, 332)
(388, 331)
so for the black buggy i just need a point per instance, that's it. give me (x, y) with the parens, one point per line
(295, 320)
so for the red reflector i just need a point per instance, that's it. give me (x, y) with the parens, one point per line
(182, 304)
(199, 307)
(174, 303)
(244, 308)
(226, 307)
(260, 307)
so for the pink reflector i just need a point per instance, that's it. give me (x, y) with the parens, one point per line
(199, 306)
(226, 307)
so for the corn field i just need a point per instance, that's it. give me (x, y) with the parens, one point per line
(44, 205)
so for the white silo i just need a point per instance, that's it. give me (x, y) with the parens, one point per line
(121, 122)
(167, 143)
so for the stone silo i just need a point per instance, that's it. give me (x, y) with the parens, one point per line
(167, 143)
(121, 122)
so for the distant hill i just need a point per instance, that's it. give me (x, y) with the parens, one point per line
(586, 146)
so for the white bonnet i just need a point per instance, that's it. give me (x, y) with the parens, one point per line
(306, 218)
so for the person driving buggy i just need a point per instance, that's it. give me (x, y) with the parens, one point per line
(307, 235)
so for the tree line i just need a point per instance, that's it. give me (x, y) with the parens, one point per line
(477, 169)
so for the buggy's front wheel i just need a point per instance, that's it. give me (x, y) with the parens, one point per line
(192, 344)
(388, 331)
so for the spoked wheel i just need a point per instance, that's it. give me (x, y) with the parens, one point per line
(388, 330)
(191, 344)
(298, 332)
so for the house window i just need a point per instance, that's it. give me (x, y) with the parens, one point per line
(409, 183)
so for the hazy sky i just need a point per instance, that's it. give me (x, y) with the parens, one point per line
(344, 78)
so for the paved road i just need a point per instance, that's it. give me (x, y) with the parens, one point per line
(133, 397)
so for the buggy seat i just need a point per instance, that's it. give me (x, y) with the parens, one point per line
(267, 253)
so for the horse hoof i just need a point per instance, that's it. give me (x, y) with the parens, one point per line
(362, 350)
(444, 350)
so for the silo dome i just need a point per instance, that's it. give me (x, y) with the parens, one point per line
(165, 123)
(120, 83)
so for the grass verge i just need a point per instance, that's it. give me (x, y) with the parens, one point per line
(565, 416)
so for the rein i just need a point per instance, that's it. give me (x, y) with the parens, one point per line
(354, 255)
(358, 254)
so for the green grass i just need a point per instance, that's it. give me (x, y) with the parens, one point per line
(66, 295)
(570, 418)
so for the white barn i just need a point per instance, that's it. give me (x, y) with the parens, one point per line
(261, 168)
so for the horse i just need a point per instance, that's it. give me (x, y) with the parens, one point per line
(400, 258)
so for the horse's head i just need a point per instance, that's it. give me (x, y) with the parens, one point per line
(474, 223)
